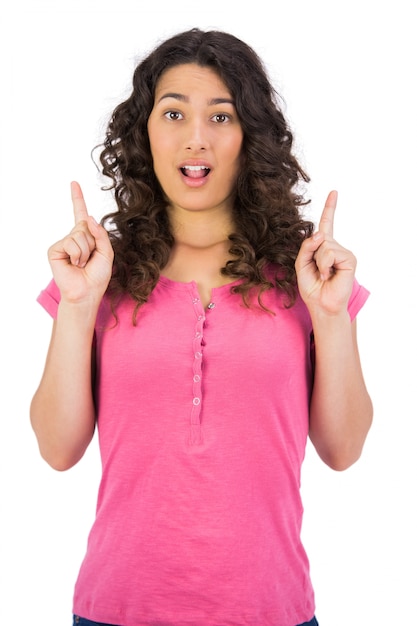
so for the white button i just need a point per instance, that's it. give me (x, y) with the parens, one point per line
(197, 335)
(196, 401)
(198, 355)
(211, 305)
(196, 378)
(195, 300)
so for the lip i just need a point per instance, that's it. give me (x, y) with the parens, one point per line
(195, 182)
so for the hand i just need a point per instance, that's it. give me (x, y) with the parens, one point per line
(325, 270)
(82, 261)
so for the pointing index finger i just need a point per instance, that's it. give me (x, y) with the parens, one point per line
(78, 203)
(327, 216)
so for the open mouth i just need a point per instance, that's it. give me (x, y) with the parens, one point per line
(195, 171)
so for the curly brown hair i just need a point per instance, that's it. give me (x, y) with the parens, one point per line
(269, 227)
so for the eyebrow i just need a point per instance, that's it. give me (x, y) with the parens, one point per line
(182, 98)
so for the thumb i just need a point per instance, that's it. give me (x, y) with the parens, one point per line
(309, 247)
(100, 234)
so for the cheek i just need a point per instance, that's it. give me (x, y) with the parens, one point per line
(234, 155)
(157, 138)
(235, 147)
(159, 153)
(154, 140)
(163, 149)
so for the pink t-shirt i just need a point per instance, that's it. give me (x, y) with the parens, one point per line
(202, 420)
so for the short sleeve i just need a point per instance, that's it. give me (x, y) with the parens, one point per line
(357, 299)
(49, 298)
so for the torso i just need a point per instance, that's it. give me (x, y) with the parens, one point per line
(202, 421)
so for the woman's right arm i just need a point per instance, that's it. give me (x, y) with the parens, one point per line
(62, 411)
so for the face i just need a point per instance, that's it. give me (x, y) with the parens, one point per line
(195, 138)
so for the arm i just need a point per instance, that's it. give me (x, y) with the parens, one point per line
(62, 410)
(341, 409)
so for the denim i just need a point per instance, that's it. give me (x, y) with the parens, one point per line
(312, 622)
(81, 621)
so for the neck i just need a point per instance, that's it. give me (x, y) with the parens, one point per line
(200, 229)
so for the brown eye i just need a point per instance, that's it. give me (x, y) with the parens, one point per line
(220, 118)
(173, 115)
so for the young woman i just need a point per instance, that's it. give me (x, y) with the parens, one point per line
(207, 330)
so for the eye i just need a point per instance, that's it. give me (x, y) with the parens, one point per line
(173, 115)
(220, 118)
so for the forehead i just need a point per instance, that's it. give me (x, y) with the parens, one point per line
(191, 77)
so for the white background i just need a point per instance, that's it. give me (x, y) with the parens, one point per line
(347, 74)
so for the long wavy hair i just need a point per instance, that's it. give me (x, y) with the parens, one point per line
(269, 226)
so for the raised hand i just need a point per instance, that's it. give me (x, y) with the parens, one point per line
(82, 262)
(325, 270)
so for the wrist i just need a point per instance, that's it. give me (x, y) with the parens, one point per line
(82, 313)
(329, 321)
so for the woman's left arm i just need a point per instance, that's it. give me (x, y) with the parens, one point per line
(341, 409)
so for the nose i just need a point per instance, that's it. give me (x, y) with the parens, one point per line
(197, 135)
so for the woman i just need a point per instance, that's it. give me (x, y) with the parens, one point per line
(207, 331)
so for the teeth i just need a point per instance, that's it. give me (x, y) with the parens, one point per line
(195, 168)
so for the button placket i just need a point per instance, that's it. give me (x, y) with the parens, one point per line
(196, 401)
